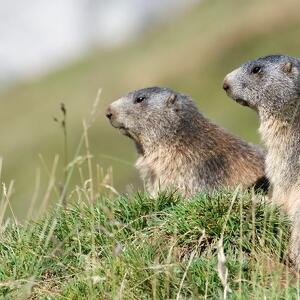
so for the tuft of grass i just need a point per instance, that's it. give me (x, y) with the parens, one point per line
(138, 247)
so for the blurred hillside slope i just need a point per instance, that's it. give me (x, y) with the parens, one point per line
(192, 54)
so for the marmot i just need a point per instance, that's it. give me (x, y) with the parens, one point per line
(179, 148)
(271, 86)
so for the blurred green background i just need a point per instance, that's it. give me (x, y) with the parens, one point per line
(191, 52)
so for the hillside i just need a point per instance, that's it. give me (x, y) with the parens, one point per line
(212, 247)
(191, 53)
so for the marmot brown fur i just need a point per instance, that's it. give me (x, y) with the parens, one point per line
(271, 86)
(179, 148)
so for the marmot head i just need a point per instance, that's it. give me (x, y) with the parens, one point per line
(269, 84)
(151, 114)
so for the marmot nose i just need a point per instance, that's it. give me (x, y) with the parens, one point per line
(108, 113)
(226, 86)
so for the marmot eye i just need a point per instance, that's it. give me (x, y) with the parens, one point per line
(139, 99)
(256, 70)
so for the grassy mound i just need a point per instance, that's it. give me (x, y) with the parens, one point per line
(142, 248)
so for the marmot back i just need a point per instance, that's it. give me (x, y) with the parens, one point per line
(179, 148)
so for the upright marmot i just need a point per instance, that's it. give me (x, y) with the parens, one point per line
(271, 86)
(179, 148)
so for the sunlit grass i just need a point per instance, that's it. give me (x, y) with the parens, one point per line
(138, 247)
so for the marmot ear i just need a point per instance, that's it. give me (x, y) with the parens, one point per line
(172, 99)
(287, 68)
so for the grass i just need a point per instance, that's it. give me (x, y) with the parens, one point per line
(137, 247)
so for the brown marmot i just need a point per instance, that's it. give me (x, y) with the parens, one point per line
(271, 86)
(179, 148)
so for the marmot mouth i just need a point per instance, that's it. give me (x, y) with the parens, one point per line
(241, 101)
(117, 125)
(124, 131)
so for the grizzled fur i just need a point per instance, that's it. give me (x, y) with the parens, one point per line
(179, 148)
(271, 86)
